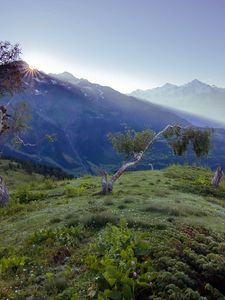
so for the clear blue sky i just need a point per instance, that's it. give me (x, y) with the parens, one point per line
(126, 44)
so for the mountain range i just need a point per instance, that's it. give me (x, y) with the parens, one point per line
(81, 114)
(195, 97)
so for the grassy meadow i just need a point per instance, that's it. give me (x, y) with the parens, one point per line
(159, 235)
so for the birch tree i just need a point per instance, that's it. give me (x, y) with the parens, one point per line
(134, 145)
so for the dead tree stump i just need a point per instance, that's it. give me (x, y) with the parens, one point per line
(218, 176)
(4, 193)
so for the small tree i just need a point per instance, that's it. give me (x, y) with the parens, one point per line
(133, 145)
(15, 122)
(10, 82)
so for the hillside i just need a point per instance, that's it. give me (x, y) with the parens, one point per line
(81, 114)
(195, 97)
(55, 244)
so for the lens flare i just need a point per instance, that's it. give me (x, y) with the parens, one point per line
(31, 67)
(30, 71)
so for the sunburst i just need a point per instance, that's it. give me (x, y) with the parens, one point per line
(30, 71)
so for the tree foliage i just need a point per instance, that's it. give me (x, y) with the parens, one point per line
(11, 81)
(131, 142)
(20, 117)
(10, 75)
(133, 145)
(180, 138)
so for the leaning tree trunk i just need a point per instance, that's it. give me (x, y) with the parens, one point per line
(107, 184)
(4, 193)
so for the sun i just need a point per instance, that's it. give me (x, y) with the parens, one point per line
(30, 71)
(41, 62)
(31, 67)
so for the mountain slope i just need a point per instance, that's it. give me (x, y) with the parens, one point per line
(81, 115)
(194, 97)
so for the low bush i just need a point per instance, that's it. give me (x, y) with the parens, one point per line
(12, 263)
(186, 263)
(55, 284)
(64, 236)
(96, 220)
(122, 272)
(74, 191)
(13, 207)
(24, 194)
(49, 184)
(195, 180)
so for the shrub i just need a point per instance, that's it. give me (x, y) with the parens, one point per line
(72, 191)
(194, 180)
(24, 194)
(99, 220)
(12, 263)
(13, 207)
(49, 184)
(185, 263)
(55, 284)
(95, 220)
(122, 272)
(64, 236)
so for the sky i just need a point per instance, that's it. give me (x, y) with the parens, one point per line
(125, 44)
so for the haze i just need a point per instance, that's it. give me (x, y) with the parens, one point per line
(123, 44)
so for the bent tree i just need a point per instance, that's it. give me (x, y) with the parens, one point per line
(13, 123)
(133, 146)
(10, 82)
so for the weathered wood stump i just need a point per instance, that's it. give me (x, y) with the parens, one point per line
(4, 193)
(218, 176)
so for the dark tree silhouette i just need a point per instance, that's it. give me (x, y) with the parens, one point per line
(10, 82)
(10, 75)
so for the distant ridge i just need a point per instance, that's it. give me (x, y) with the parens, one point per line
(81, 114)
(193, 97)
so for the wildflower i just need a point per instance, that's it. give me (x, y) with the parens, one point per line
(133, 263)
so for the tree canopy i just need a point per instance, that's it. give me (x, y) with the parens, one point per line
(131, 142)
(10, 83)
(10, 74)
(179, 138)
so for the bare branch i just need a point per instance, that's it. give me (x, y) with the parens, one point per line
(19, 141)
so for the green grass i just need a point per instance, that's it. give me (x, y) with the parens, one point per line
(157, 203)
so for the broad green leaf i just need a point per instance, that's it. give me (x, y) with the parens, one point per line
(109, 279)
